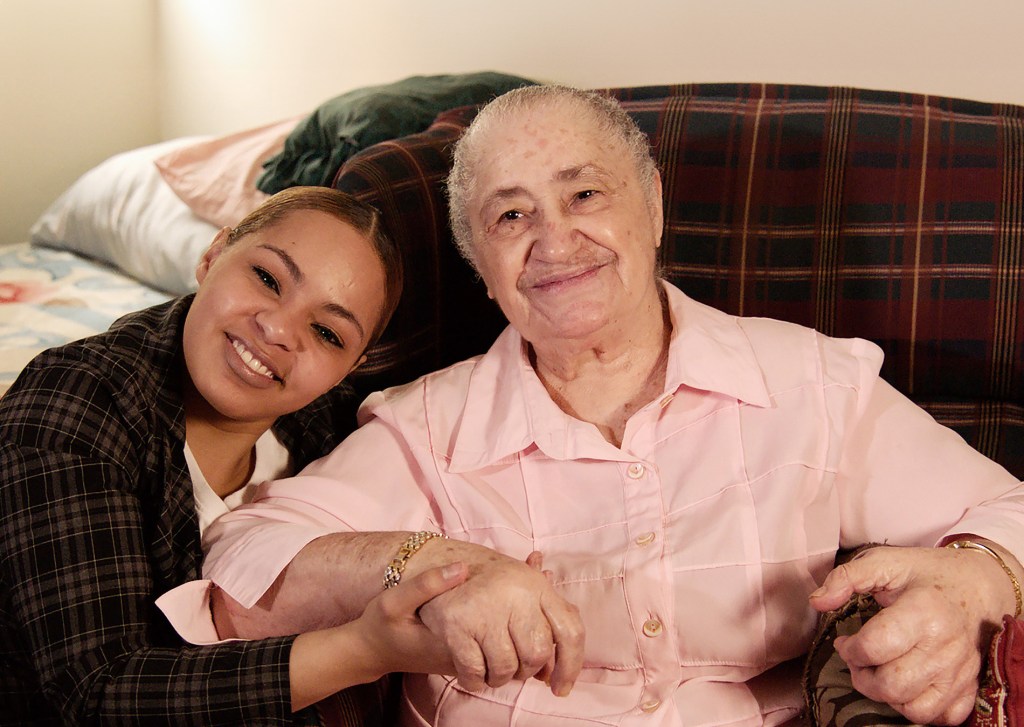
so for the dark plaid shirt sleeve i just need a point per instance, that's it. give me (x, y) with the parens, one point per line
(96, 518)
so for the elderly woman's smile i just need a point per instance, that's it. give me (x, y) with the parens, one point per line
(542, 279)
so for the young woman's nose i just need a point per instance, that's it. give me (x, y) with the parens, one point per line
(279, 327)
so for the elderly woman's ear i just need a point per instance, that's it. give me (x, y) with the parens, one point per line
(657, 209)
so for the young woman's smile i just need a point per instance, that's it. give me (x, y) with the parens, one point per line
(252, 363)
(281, 316)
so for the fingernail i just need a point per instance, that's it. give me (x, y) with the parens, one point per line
(818, 593)
(452, 570)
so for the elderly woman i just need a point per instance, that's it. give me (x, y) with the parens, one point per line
(689, 477)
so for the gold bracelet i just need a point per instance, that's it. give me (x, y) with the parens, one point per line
(971, 545)
(393, 573)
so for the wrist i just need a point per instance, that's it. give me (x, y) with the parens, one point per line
(395, 569)
(316, 672)
(1010, 576)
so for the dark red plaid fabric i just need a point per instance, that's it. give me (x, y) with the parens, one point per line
(894, 217)
(444, 315)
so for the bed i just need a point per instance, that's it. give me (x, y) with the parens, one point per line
(49, 297)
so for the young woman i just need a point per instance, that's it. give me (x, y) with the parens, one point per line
(117, 450)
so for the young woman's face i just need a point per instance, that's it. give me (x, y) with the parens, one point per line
(281, 316)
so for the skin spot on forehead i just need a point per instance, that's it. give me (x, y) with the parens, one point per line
(538, 138)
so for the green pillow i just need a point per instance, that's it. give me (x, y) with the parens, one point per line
(340, 127)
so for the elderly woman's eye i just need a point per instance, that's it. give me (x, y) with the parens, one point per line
(510, 215)
(586, 194)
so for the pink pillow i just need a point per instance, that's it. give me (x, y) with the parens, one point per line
(216, 178)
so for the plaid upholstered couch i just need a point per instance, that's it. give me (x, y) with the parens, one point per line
(894, 217)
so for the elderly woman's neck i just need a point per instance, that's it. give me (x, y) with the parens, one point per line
(606, 379)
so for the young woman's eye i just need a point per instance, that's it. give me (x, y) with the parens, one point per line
(266, 278)
(328, 336)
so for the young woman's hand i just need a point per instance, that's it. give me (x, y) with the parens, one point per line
(387, 637)
(393, 631)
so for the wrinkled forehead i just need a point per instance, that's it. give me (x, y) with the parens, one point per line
(542, 142)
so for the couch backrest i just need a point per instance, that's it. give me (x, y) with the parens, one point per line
(893, 217)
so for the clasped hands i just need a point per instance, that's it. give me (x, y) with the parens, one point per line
(922, 652)
(506, 622)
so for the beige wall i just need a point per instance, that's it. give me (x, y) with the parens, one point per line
(86, 78)
(79, 83)
(249, 61)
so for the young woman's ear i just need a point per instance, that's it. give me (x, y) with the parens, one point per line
(213, 252)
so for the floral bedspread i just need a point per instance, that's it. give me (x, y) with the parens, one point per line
(49, 297)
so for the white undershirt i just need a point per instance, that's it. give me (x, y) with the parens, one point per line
(272, 462)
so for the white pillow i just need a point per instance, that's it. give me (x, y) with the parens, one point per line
(122, 212)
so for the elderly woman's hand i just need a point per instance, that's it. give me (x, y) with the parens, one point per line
(507, 622)
(922, 652)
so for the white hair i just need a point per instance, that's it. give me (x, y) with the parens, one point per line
(611, 118)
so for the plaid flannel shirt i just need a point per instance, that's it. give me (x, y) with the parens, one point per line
(98, 519)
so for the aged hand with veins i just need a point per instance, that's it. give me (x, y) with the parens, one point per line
(922, 652)
(506, 622)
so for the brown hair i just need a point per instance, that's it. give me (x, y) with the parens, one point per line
(353, 212)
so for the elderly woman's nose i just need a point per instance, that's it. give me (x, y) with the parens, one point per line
(279, 326)
(557, 238)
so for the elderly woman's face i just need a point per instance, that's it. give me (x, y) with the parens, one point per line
(563, 235)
